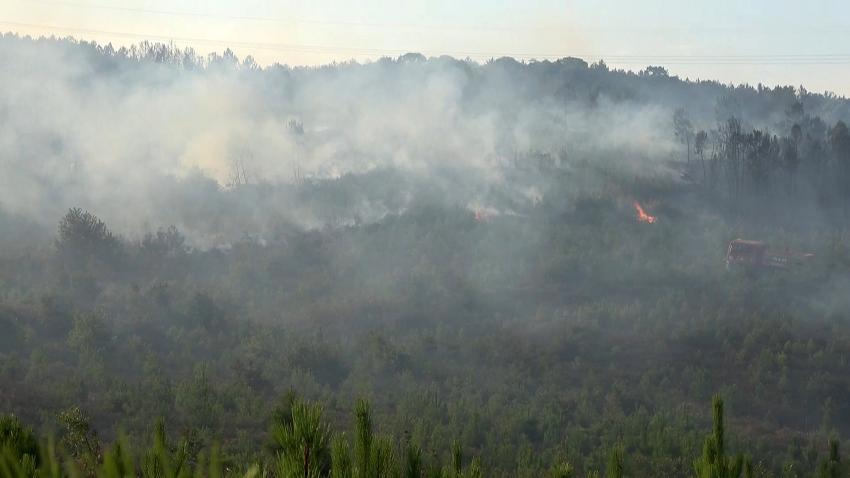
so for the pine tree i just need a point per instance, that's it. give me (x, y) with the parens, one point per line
(474, 469)
(615, 463)
(413, 462)
(303, 443)
(457, 458)
(17, 441)
(363, 440)
(562, 470)
(340, 458)
(832, 466)
(714, 463)
(383, 458)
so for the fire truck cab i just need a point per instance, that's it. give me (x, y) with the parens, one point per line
(745, 253)
(755, 254)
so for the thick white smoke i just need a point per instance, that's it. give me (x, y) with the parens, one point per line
(143, 143)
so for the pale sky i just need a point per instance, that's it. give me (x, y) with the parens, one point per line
(772, 42)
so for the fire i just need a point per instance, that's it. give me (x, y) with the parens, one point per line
(481, 215)
(642, 216)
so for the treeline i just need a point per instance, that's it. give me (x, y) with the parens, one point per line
(301, 444)
(809, 161)
(565, 80)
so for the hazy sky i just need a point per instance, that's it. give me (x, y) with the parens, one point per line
(772, 42)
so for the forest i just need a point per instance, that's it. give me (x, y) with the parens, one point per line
(415, 267)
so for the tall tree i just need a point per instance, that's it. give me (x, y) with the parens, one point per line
(683, 130)
(714, 463)
(791, 155)
(839, 139)
(700, 141)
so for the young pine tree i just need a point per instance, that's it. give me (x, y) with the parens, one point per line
(832, 466)
(340, 458)
(413, 462)
(303, 443)
(363, 440)
(615, 463)
(714, 463)
(562, 470)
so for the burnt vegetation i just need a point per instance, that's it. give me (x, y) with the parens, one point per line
(381, 322)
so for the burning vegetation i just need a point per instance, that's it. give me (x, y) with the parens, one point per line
(481, 215)
(419, 248)
(642, 215)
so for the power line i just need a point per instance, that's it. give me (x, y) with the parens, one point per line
(290, 20)
(199, 14)
(182, 39)
(183, 13)
(752, 59)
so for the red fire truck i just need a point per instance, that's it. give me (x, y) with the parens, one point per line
(755, 254)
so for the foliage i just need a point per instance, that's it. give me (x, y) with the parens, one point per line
(18, 442)
(714, 463)
(303, 443)
(550, 327)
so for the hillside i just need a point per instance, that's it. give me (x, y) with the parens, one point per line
(204, 241)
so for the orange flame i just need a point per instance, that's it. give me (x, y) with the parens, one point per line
(642, 216)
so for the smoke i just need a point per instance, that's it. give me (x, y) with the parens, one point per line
(228, 149)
